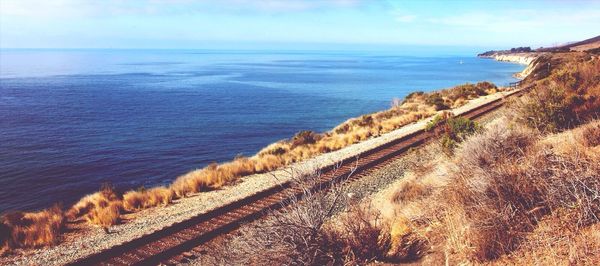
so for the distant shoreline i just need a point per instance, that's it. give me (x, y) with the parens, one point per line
(523, 58)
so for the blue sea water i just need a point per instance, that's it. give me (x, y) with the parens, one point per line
(71, 120)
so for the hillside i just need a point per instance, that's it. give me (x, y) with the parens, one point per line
(580, 46)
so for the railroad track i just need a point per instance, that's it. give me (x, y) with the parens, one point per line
(172, 244)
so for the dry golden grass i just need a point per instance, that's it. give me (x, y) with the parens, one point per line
(410, 191)
(160, 196)
(106, 216)
(358, 236)
(33, 229)
(590, 135)
(91, 206)
(566, 96)
(557, 241)
(504, 198)
(406, 244)
(508, 192)
(134, 200)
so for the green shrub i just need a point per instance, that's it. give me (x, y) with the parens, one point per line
(435, 99)
(448, 144)
(456, 130)
(459, 128)
(305, 137)
(365, 121)
(453, 131)
(470, 91)
(413, 95)
(549, 109)
(433, 123)
(484, 85)
(566, 93)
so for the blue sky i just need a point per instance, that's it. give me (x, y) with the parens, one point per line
(255, 24)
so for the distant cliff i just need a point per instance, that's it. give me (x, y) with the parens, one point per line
(511, 51)
(520, 57)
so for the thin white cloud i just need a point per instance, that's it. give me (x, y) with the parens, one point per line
(402, 16)
(86, 8)
(516, 20)
(71, 8)
(405, 18)
(292, 5)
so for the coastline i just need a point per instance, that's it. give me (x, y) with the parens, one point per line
(86, 240)
(519, 58)
(527, 59)
(178, 147)
(93, 239)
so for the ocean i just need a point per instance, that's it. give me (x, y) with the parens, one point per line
(71, 120)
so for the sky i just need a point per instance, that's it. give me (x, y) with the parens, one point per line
(293, 24)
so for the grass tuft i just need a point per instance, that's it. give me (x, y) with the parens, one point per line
(30, 229)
